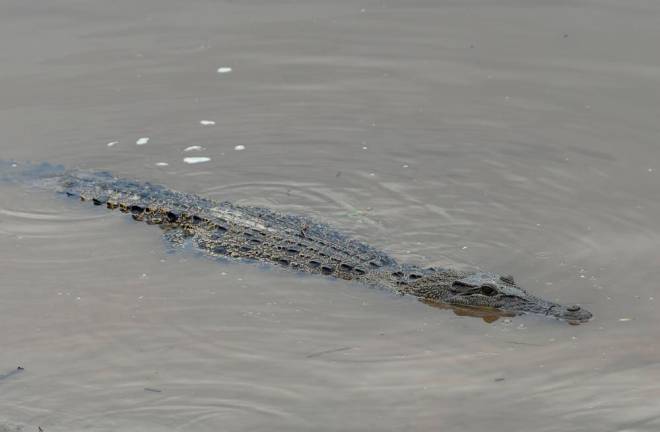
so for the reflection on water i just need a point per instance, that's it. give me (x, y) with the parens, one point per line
(488, 315)
(504, 136)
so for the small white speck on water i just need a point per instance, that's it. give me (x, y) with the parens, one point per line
(625, 319)
(363, 10)
(239, 147)
(651, 298)
(224, 70)
(365, 148)
(77, 298)
(140, 298)
(223, 274)
(142, 141)
(60, 293)
(464, 247)
(143, 276)
(112, 143)
(196, 160)
(404, 166)
(14, 165)
(206, 122)
(650, 169)
(193, 148)
(372, 174)
(162, 164)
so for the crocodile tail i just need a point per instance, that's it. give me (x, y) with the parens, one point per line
(28, 172)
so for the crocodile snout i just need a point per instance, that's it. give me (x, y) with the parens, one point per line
(570, 313)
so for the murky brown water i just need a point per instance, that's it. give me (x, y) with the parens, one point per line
(514, 136)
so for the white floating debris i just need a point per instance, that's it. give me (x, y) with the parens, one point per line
(14, 165)
(162, 164)
(224, 70)
(239, 147)
(196, 160)
(404, 166)
(625, 319)
(206, 122)
(142, 141)
(650, 169)
(193, 148)
(113, 143)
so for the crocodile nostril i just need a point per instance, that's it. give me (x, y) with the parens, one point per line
(573, 308)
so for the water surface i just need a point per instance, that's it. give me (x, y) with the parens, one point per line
(512, 136)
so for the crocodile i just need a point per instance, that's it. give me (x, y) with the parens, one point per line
(229, 231)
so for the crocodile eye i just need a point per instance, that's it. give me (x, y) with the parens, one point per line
(461, 287)
(508, 279)
(488, 290)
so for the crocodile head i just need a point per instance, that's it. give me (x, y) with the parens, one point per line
(492, 291)
(500, 292)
